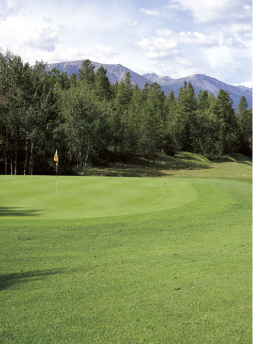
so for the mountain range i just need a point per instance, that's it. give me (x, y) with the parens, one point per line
(117, 72)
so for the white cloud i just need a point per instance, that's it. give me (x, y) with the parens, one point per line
(227, 62)
(9, 8)
(237, 36)
(47, 20)
(187, 37)
(214, 11)
(40, 38)
(232, 42)
(169, 42)
(132, 22)
(104, 51)
(44, 39)
(150, 12)
(176, 68)
(98, 53)
(246, 84)
(240, 28)
(165, 11)
(241, 32)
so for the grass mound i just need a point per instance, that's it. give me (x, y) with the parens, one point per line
(185, 165)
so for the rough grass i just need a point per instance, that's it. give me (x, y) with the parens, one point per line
(128, 260)
(184, 165)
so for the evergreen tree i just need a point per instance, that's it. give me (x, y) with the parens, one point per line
(133, 120)
(102, 85)
(186, 127)
(156, 100)
(73, 80)
(152, 120)
(170, 145)
(86, 73)
(202, 121)
(227, 119)
(245, 127)
(121, 103)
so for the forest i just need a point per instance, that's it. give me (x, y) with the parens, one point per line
(91, 122)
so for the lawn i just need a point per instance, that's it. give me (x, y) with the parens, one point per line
(128, 260)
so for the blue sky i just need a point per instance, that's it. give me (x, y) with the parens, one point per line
(167, 37)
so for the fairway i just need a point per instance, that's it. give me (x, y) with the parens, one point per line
(125, 260)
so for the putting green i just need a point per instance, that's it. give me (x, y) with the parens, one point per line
(82, 197)
(34, 197)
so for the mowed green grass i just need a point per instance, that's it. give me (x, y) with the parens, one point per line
(126, 260)
(85, 197)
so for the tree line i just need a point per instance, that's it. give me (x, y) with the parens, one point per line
(89, 121)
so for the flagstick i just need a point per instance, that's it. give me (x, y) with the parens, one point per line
(56, 178)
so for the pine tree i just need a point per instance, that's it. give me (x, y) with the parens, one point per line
(227, 119)
(121, 103)
(133, 121)
(86, 73)
(245, 126)
(186, 130)
(170, 145)
(102, 84)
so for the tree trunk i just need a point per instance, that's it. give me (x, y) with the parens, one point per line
(6, 151)
(16, 156)
(30, 172)
(86, 156)
(122, 147)
(243, 133)
(115, 146)
(26, 157)
(5, 164)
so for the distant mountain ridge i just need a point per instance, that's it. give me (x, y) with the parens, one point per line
(203, 82)
(117, 72)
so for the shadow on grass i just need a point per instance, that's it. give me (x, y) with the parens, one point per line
(245, 162)
(9, 280)
(148, 169)
(9, 211)
(134, 172)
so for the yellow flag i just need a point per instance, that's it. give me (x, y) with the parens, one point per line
(56, 157)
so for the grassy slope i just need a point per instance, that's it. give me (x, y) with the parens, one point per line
(178, 273)
(181, 165)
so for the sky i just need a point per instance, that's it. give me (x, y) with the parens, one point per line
(175, 38)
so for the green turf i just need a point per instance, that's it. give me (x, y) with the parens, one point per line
(126, 260)
(79, 197)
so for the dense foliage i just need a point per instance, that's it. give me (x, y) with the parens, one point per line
(91, 121)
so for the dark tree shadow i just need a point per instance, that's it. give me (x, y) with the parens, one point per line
(245, 162)
(9, 280)
(11, 211)
(161, 166)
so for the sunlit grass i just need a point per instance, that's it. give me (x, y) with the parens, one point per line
(139, 261)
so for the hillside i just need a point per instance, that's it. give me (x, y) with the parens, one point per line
(182, 165)
(117, 72)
